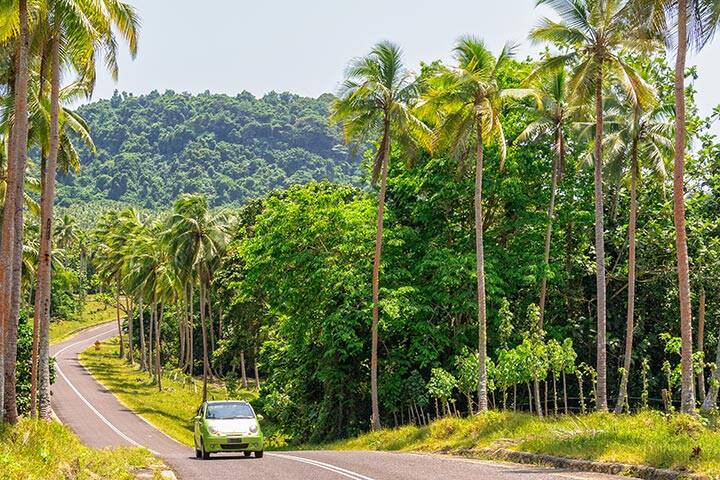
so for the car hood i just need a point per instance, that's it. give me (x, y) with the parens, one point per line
(234, 425)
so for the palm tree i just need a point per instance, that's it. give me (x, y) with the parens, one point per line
(375, 105)
(12, 221)
(80, 31)
(594, 32)
(642, 135)
(554, 113)
(196, 238)
(468, 99)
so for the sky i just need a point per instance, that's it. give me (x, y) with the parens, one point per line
(303, 47)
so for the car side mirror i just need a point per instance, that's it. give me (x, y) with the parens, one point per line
(260, 417)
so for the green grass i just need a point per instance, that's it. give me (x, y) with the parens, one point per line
(171, 410)
(94, 313)
(648, 438)
(37, 449)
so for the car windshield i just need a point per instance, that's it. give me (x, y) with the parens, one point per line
(224, 411)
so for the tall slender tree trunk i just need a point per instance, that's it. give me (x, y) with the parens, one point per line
(191, 334)
(13, 202)
(210, 323)
(143, 358)
(158, 368)
(206, 366)
(181, 325)
(131, 333)
(701, 345)
(601, 390)
(683, 269)
(548, 233)
(710, 401)
(565, 396)
(242, 369)
(256, 366)
(45, 254)
(629, 330)
(538, 399)
(480, 274)
(149, 344)
(117, 314)
(36, 310)
(385, 154)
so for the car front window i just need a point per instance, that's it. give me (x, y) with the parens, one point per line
(230, 410)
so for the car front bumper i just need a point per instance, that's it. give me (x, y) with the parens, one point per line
(234, 443)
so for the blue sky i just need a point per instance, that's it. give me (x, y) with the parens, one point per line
(303, 46)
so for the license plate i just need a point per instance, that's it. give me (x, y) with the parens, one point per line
(235, 440)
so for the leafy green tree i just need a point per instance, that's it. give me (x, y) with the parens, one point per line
(376, 102)
(441, 386)
(467, 367)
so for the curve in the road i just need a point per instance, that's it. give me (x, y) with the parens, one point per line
(100, 420)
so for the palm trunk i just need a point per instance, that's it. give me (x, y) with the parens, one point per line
(158, 370)
(688, 390)
(210, 324)
(480, 274)
(13, 203)
(131, 334)
(548, 234)
(45, 254)
(710, 401)
(117, 315)
(153, 313)
(141, 315)
(36, 312)
(182, 318)
(601, 390)
(376, 276)
(191, 334)
(622, 394)
(701, 345)
(206, 366)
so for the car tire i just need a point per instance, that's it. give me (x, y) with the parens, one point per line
(246, 454)
(205, 455)
(259, 454)
(198, 453)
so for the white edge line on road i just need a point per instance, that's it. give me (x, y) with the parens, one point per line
(326, 466)
(87, 402)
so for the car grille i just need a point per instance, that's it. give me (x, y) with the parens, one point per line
(234, 446)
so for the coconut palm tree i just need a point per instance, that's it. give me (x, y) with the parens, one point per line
(467, 99)
(553, 116)
(80, 31)
(594, 33)
(12, 221)
(642, 136)
(196, 237)
(375, 104)
(684, 24)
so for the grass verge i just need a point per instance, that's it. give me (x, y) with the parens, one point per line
(649, 438)
(94, 313)
(171, 410)
(37, 449)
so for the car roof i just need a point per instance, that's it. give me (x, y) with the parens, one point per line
(225, 401)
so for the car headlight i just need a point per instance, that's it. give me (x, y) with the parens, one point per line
(254, 428)
(214, 430)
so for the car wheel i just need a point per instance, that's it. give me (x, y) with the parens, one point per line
(259, 454)
(198, 453)
(205, 455)
(247, 454)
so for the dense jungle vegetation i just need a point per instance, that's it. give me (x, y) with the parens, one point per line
(151, 148)
(528, 237)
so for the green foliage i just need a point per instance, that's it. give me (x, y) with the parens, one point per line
(228, 148)
(441, 384)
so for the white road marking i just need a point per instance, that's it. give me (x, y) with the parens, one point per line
(87, 402)
(326, 466)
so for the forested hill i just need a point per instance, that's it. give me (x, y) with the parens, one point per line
(151, 148)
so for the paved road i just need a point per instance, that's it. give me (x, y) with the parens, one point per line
(101, 420)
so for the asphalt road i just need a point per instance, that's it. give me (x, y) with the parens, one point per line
(101, 420)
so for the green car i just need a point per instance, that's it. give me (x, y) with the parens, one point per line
(227, 426)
